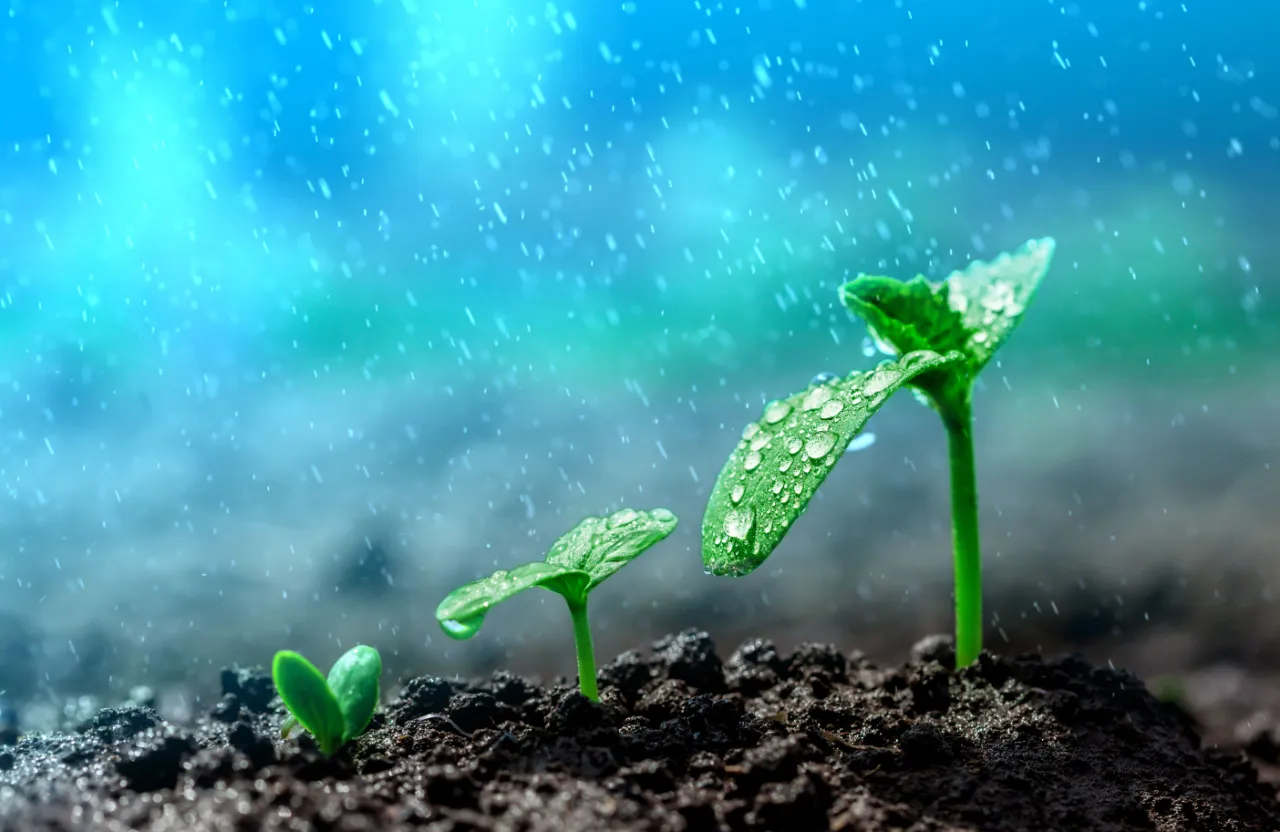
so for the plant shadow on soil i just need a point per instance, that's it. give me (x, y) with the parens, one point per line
(680, 741)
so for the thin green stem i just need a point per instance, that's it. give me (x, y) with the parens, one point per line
(964, 530)
(586, 652)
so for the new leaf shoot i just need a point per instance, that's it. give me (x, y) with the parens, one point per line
(576, 564)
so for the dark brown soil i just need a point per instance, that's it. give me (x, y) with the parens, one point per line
(680, 741)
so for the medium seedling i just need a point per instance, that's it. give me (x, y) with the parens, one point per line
(577, 563)
(335, 710)
(945, 334)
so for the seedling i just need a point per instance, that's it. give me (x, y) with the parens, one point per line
(334, 710)
(945, 334)
(577, 563)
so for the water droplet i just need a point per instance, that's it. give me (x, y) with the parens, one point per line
(861, 442)
(736, 494)
(819, 445)
(752, 462)
(785, 465)
(868, 347)
(737, 523)
(625, 517)
(823, 378)
(776, 412)
(816, 398)
(794, 445)
(458, 629)
(786, 495)
(760, 440)
(662, 515)
(980, 337)
(750, 430)
(831, 409)
(798, 489)
(777, 487)
(879, 380)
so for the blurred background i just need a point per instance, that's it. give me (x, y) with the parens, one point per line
(309, 313)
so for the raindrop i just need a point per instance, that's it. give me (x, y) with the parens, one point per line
(776, 412)
(785, 466)
(662, 515)
(816, 398)
(737, 492)
(831, 409)
(621, 518)
(823, 377)
(794, 445)
(752, 462)
(777, 487)
(750, 430)
(819, 445)
(457, 628)
(760, 440)
(880, 380)
(737, 523)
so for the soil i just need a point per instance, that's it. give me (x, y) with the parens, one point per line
(680, 740)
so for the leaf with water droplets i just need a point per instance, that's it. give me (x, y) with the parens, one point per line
(973, 311)
(600, 546)
(781, 460)
(577, 563)
(462, 611)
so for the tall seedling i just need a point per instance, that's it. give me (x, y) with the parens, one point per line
(945, 333)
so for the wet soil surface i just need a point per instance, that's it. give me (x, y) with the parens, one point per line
(681, 740)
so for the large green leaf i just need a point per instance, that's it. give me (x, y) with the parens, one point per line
(972, 311)
(601, 546)
(354, 682)
(783, 458)
(308, 697)
(462, 611)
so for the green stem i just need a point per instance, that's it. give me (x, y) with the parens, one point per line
(586, 652)
(964, 529)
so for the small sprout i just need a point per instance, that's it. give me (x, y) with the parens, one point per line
(945, 334)
(334, 710)
(577, 563)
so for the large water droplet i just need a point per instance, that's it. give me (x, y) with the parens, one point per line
(831, 409)
(621, 518)
(662, 515)
(794, 445)
(823, 378)
(819, 445)
(879, 380)
(776, 412)
(777, 487)
(750, 430)
(760, 440)
(816, 398)
(752, 462)
(459, 629)
(737, 523)
(785, 465)
(736, 494)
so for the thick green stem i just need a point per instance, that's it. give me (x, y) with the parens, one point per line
(964, 530)
(586, 652)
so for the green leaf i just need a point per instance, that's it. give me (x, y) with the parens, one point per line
(601, 546)
(782, 459)
(307, 696)
(972, 311)
(462, 611)
(354, 682)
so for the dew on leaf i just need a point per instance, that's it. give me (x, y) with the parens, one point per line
(776, 412)
(752, 462)
(794, 445)
(738, 491)
(737, 523)
(831, 409)
(622, 518)
(819, 445)
(816, 398)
